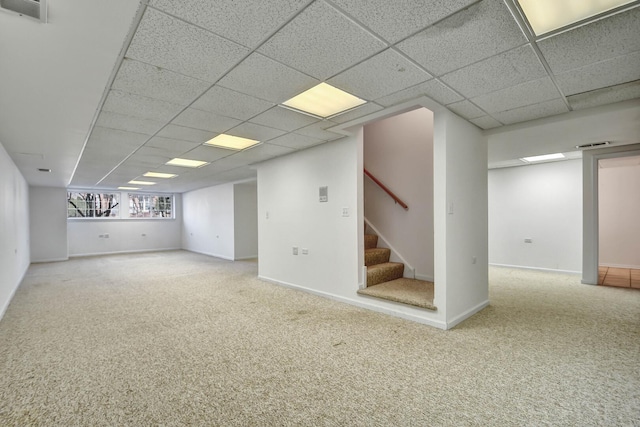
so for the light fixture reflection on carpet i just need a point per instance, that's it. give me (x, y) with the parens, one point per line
(324, 101)
(548, 15)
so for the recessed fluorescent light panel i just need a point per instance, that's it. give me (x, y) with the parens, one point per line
(142, 182)
(231, 142)
(324, 101)
(128, 188)
(186, 163)
(159, 175)
(547, 15)
(543, 158)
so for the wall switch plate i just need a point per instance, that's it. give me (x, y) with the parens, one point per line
(305, 251)
(295, 250)
(324, 194)
(345, 211)
(528, 240)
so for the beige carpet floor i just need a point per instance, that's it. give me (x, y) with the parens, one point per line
(180, 339)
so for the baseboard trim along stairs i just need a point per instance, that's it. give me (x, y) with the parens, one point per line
(385, 279)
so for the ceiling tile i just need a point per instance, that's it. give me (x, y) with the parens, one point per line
(265, 151)
(317, 130)
(208, 154)
(610, 37)
(227, 102)
(236, 174)
(152, 156)
(284, 119)
(295, 141)
(478, 32)
(186, 134)
(486, 122)
(606, 95)
(380, 75)
(466, 109)
(204, 120)
(433, 89)
(254, 131)
(104, 154)
(314, 42)
(186, 49)
(498, 72)
(173, 147)
(116, 139)
(394, 20)
(601, 74)
(129, 104)
(528, 93)
(111, 120)
(532, 112)
(154, 82)
(360, 111)
(244, 21)
(267, 79)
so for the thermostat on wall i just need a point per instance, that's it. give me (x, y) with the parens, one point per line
(324, 194)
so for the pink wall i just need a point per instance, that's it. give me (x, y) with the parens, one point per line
(399, 152)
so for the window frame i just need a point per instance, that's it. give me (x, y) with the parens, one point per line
(171, 197)
(97, 195)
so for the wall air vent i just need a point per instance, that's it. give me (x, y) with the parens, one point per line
(593, 145)
(36, 9)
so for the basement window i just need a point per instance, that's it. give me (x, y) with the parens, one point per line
(150, 206)
(92, 205)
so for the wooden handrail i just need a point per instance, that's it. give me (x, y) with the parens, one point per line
(389, 192)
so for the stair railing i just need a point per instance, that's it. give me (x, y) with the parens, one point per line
(386, 190)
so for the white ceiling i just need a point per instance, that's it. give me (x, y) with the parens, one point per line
(121, 87)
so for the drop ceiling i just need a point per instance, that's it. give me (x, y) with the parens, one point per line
(107, 91)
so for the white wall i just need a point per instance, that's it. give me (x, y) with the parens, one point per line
(14, 229)
(542, 202)
(399, 152)
(125, 235)
(460, 200)
(245, 207)
(208, 221)
(48, 224)
(290, 214)
(619, 216)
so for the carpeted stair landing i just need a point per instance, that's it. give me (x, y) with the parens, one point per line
(385, 281)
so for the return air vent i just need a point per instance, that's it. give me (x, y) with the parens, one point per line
(593, 145)
(36, 9)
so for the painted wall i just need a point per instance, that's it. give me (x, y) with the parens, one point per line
(290, 214)
(541, 202)
(619, 221)
(399, 152)
(48, 224)
(208, 226)
(245, 207)
(125, 235)
(14, 229)
(460, 200)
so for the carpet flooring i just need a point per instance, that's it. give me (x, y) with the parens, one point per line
(178, 339)
(414, 292)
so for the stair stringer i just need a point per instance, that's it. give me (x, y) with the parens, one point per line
(383, 242)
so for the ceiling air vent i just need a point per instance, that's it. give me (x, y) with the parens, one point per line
(36, 9)
(593, 145)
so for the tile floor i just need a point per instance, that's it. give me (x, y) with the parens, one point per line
(619, 277)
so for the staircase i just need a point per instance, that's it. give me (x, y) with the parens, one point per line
(385, 279)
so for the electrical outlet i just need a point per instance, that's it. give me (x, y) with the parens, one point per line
(345, 211)
(295, 250)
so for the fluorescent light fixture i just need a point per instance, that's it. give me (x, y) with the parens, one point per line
(231, 142)
(128, 188)
(324, 101)
(186, 163)
(142, 182)
(543, 158)
(159, 175)
(548, 15)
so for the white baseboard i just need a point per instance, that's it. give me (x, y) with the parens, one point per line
(246, 257)
(424, 277)
(634, 267)
(525, 267)
(40, 261)
(362, 303)
(137, 251)
(225, 257)
(464, 316)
